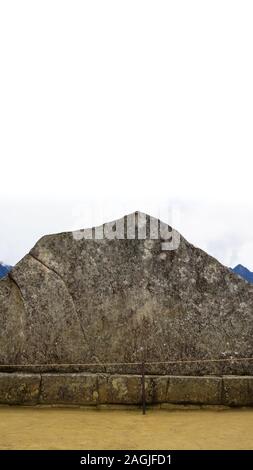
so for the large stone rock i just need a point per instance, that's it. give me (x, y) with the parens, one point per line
(75, 300)
(50, 329)
(12, 323)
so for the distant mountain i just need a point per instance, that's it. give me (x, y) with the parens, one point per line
(4, 269)
(243, 272)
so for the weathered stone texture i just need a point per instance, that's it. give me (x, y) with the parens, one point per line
(238, 391)
(194, 390)
(119, 389)
(127, 389)
(94, 301)
(103, 389)
(20, 389)
(74, 389)
(12, 323)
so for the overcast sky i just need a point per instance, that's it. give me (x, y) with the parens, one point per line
(107, 107)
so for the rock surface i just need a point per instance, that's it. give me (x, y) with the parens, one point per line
(75, 300)
(73, 389)
(16, 389)
(238, 391)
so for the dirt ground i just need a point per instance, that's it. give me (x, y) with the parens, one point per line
(77, 428)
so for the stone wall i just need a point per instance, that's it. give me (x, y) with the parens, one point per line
(104, 389)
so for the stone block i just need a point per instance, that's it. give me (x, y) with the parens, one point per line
(115, 389)
(197, 390)
(74, 389)
(19, 389)
(237, 391)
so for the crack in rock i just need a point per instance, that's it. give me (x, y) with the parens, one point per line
(66, 287)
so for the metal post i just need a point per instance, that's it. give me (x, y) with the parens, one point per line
(143, 389)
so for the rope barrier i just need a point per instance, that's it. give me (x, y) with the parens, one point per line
(112, 364)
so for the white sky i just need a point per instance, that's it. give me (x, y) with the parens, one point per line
(112, 106)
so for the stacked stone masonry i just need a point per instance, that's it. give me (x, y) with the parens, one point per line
(104, 389)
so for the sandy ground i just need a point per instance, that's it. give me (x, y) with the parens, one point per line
(74, 428)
